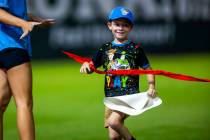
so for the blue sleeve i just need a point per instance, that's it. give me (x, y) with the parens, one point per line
(142, 59)
(4, 4)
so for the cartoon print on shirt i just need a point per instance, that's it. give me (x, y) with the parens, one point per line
(122, 62)
(119, 62)
(110, 54)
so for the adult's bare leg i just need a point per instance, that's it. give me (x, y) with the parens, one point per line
(5, 96)
(20, 80)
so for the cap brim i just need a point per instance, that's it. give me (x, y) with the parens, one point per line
(115, 18)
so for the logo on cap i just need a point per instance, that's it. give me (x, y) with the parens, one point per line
(124, 11)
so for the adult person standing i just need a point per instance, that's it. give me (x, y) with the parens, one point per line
(15, 66)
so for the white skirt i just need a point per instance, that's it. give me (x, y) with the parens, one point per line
(133, 104)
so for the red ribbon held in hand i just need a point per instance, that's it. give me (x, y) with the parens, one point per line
(136, 71)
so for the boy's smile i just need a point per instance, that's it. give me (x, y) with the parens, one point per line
(120, 29)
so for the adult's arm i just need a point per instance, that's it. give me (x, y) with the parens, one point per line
(10, 19)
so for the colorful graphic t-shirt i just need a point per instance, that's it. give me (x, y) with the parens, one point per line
(120, 57)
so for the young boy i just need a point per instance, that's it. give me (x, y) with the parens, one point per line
(15, 67)
(121, 53)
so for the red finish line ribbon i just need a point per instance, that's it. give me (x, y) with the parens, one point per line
(136, 71)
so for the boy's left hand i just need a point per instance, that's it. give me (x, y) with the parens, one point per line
(152, 92)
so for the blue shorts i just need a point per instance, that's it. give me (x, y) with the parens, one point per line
(12, 57)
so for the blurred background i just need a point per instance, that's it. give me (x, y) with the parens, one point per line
(175, 35)
(160, 25)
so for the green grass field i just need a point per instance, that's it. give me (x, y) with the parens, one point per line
(68, 105)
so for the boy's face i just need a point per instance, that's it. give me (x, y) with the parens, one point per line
(120, 28)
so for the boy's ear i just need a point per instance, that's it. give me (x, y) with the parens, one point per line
(132, 26)
(109, 25)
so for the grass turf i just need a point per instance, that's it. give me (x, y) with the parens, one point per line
(68, 105)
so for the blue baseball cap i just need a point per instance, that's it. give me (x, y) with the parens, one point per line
(121, 12)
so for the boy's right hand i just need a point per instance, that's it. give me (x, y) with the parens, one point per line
(85, 68)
